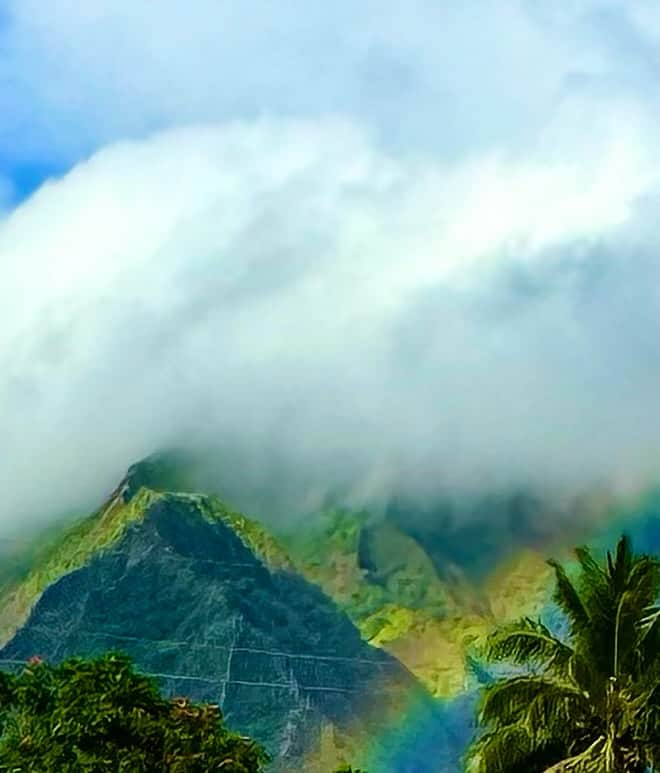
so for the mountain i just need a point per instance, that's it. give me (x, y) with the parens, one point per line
(392, 590)
(210, 604)
(429, 584)
(341, 635)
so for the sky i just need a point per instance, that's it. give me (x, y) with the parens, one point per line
(370, 246)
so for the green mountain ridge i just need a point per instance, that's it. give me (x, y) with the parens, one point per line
(388, 585)
(293, 627)
(205, 599)
(381, 577)
(417, 604)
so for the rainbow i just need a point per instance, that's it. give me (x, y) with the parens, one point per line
(426, 735)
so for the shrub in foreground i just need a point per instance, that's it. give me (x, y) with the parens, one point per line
(101, 715)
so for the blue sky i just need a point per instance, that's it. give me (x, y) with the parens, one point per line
(370, 245)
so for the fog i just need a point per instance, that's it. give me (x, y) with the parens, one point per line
(332, 315)
(334, 249)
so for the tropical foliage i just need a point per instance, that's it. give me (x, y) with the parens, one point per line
(100, 715)
(588, 702)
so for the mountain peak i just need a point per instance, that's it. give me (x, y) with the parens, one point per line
(202, 598)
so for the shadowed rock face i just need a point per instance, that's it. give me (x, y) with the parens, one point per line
(193, 605)
(473, 537)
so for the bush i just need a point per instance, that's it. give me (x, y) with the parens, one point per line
(99, 715)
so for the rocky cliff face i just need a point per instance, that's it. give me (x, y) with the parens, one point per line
(201, 599)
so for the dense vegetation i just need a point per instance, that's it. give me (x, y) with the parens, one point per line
(388, 585)
(559, 701)
(100, 715)
(588, 702)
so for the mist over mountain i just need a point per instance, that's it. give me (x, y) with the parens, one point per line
(333, 317)
(366, 299)
(294, 627)
(392, 272)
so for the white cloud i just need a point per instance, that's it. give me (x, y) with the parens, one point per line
(334, 312)
(447, 76)
(452, 281)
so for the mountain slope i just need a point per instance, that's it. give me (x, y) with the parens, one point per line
(203, 598)
(407, 580)
(390, 587)
(275, 628)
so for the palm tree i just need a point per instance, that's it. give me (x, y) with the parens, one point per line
(589, 702)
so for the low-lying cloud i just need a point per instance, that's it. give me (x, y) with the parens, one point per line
(335, 315)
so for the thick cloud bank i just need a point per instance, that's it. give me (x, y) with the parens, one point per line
(451, 76)
(335, 314)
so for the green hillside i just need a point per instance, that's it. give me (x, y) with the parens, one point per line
(207, 601)
(381, 577)
(398, 587)
(389, 587)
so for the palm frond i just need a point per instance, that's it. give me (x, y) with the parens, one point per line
(651, 620)
(568, 599)
(644, 580)
(648, 722)
(633, 637)
(591, 570)
(591, 760)
(594, 584)
(510, 701)
(528, 642)
(558, 715)
(584, 672)
(621, 568)
(506, 751)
